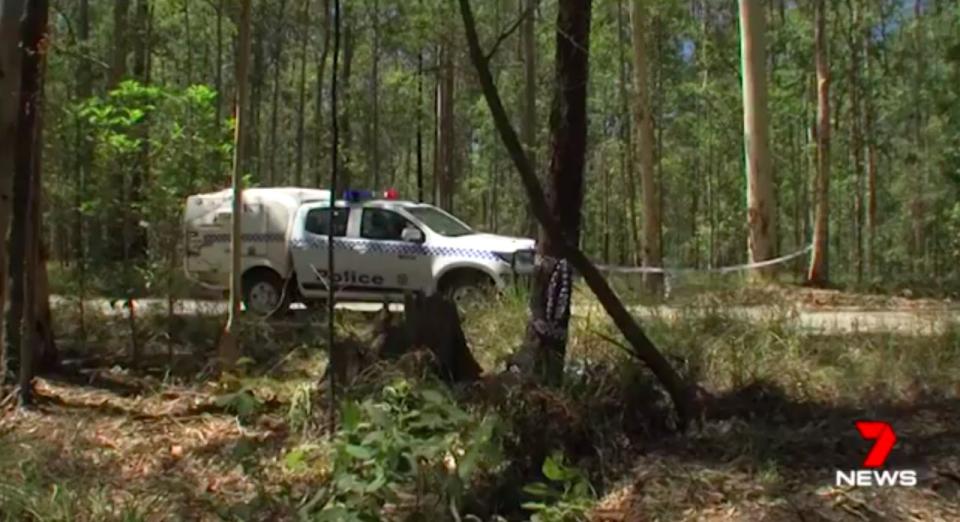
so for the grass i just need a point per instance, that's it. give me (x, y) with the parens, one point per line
(167, 442)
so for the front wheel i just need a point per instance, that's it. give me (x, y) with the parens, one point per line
(263, 292)
(468, 289)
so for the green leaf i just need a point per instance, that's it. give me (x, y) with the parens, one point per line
(294, 460)
(554, 469)
(433, 396)
(350, 416)
(540, 490)
(358, 452)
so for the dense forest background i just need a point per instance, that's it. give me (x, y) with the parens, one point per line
(139, 115)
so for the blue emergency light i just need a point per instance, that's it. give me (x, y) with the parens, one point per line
(356, 196)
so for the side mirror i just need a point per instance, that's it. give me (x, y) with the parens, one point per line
(412, 235)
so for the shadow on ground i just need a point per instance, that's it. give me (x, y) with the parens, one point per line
(762, 456)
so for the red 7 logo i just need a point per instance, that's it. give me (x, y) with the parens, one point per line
(885, 438)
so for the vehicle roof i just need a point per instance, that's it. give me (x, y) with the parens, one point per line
(375, 203)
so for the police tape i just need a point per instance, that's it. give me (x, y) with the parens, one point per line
(719, 270)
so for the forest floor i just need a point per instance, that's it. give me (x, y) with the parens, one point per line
(168, 442)
(818, 310)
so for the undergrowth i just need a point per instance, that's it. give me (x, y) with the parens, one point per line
(408, 446)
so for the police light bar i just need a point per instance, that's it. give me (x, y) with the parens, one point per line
(356, 196)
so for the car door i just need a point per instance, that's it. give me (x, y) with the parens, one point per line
(310, 255)
(404, 265)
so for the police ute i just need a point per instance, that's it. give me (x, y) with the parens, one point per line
(383, 247)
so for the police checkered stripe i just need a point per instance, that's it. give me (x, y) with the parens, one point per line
(394, 247)
(268, 237)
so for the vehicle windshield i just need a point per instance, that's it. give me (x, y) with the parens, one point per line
(439, 221)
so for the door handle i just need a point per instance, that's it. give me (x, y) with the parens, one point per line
(406, 256)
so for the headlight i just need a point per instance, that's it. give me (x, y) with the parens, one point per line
(506, 257)
(524, 259)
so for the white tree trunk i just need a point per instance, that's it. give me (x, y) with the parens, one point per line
(229, 350)
(761, 210)
(819, 266)
(645, 144)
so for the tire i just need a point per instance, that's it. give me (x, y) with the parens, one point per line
(263, 292)
(467, 288)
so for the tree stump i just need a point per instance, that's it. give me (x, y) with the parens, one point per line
(429, 324)
(434, 323)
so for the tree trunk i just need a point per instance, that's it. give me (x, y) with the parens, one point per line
(345, 126)
(626, 154)
(334, 365)
(545, 344)
(871, 140)
(257, 81)
(375, 97)
(10, 63)
(643, 122)
(419, 126)
(856, 137)
(121, 43)
(528, 121)
(274, 111)
(29, 150)
(918, 202)
(302, 112)
(229, 349)
(321, 70)
(760, 202)
(218, 85)
(643, 348)
(818, 273)
(136, 236)
(446, 146)
(188, 37)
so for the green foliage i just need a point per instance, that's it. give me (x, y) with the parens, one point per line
(567, 496)
(243, 403)
(152, 146)
(410, 443)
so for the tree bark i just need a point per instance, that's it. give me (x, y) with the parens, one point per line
(643, 348)
(446, 142)
(188, 37)
(257, 82)
(545, 344)
(10, 64)
(121, 43)
(218, 77)
(856, 136)
(871, 141)
(528, 122)
(29, 150)
(375, 97)
(760, 200)
(274, 113)
(321, 70)
(643, 122)
(626, 154)
(345, 158)
(229, 349)
(302, 112)
(84, 158)
(136, 236)
(819, 274)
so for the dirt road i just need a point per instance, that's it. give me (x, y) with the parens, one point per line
(826, 320)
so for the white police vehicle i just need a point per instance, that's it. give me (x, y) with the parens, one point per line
(383, 247)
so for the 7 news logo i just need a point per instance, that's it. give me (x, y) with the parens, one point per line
(870, 474)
